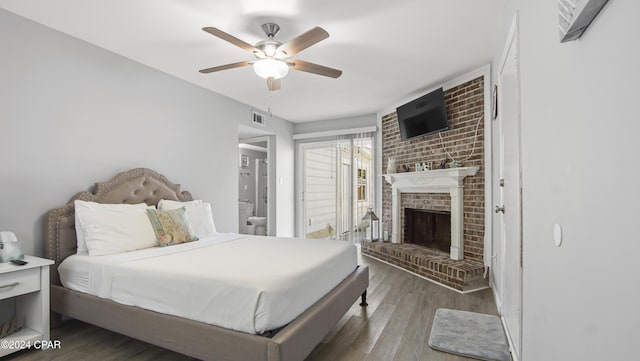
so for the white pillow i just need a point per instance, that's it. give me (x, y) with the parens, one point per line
(198, 212)
(112, 228)
(176, 204)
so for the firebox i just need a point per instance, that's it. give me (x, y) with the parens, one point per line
(428, 228)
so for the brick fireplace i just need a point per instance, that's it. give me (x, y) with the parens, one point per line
(465, 108)
(447, 181)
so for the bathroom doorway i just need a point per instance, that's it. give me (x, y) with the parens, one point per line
(255, 190)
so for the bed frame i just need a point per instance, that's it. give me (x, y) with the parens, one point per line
(200, 340)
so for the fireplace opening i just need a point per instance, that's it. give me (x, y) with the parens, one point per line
(428, 228)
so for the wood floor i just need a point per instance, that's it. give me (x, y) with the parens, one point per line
(395, 326)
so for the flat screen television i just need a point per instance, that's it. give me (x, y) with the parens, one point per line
(423, 116)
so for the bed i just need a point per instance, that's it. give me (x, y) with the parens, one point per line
(180, 333)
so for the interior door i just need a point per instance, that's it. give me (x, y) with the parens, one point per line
(510, 209)
(496, 244)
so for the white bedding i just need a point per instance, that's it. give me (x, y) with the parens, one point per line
(245, 283)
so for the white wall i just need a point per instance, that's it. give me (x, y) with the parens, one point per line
(579, 152)
(73, 114)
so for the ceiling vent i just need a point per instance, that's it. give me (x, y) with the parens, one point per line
(257, 118)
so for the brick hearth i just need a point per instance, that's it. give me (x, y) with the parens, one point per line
(463, 275)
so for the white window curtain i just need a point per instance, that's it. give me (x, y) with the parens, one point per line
(356, 183)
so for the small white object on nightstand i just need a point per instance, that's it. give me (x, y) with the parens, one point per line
(29, 285)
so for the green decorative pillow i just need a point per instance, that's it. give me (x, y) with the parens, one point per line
(171, 227)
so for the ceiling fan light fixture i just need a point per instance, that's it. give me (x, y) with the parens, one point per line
(273, 57)
(270, 49)
(271, 68)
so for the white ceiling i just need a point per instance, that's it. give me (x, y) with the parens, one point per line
(386, 49)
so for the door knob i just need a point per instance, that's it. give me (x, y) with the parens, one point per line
(499, 209)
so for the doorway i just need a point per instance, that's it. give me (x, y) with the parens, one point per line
(254, 187)
(507, 261)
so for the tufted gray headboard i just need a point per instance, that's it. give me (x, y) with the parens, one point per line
(130, 187)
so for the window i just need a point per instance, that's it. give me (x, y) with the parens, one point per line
(337, 186)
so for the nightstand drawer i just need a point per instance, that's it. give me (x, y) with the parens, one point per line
(19, 282)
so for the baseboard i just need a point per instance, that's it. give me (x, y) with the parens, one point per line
(514, 357)
(496, 298)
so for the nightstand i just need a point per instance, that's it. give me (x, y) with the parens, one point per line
(29, 286)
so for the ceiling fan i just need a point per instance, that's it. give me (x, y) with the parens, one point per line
(273, 57)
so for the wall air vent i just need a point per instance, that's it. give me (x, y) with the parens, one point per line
(257, 118)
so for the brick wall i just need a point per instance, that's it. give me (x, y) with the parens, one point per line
(465, 107)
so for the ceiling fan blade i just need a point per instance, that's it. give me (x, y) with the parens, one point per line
(274, 84)
(303, 41)
(314, 68)
(225, 67)
(231, 39)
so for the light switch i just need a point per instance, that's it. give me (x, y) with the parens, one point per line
(557, 234)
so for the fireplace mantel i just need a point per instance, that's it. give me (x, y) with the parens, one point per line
(448, 180)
